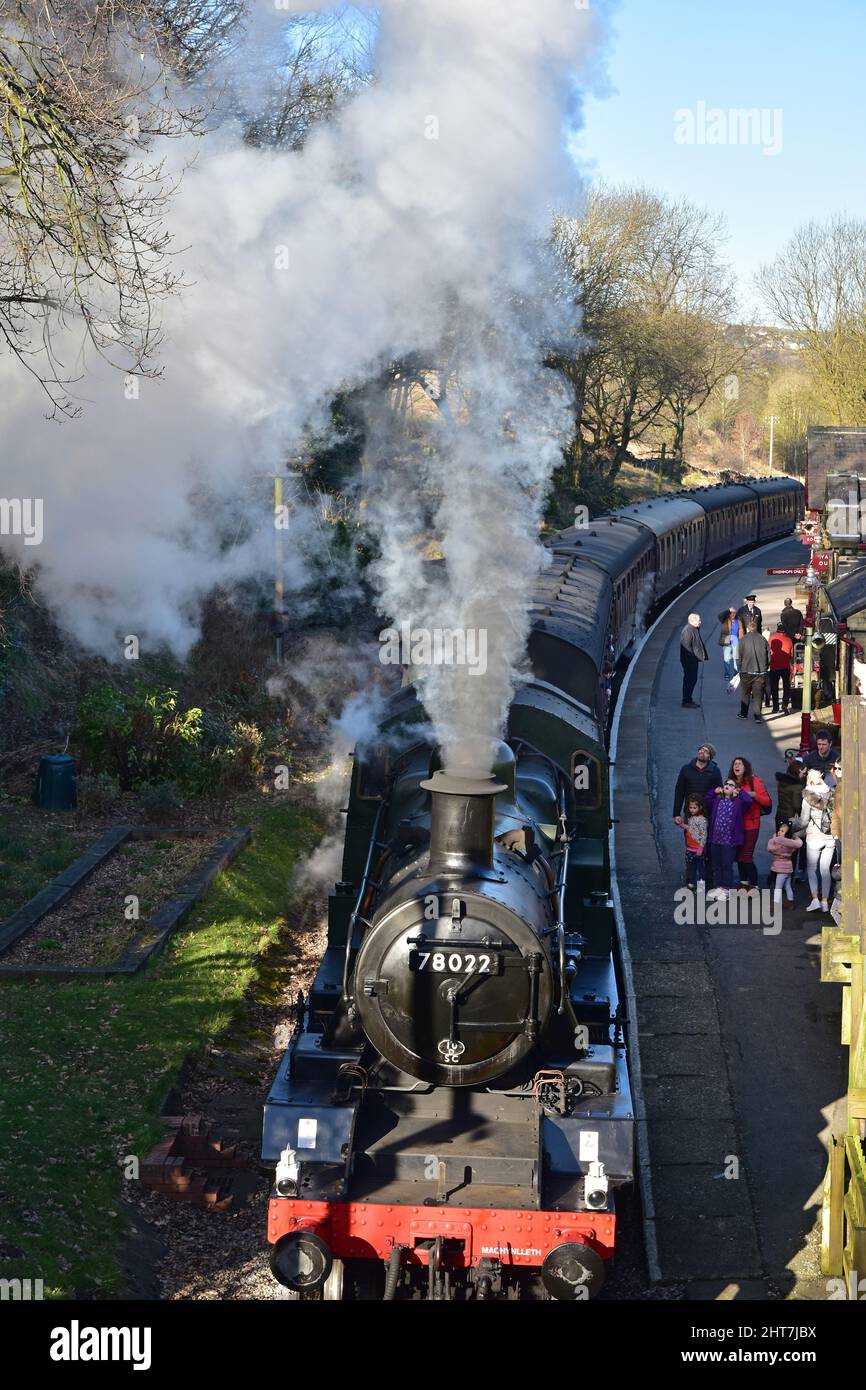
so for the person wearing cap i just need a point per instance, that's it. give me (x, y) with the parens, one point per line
(791, 620)
(750, 613)
(729, 640)
(692, 653)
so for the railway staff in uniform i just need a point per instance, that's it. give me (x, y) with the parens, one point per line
(753, 664)
(750, 613)
(692, 653)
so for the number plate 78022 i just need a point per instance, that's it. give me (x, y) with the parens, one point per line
(446, 962)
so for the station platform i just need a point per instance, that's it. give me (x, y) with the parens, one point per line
(736, 1058)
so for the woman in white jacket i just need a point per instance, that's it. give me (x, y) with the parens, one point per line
(816, 820)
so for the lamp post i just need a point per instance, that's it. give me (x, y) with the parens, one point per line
(806, 717)
(773, 420)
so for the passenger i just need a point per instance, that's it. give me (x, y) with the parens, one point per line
(784, 846)
(726, 806)
(692, 653)
(696, 827)
(696, 779)
(753, 664)
(789, 801)
(789, 788)
(791, 620)
(816, 818)
(836, 826)
(823, 757)
(767, 634)
(729, 640)
(742, 775)
(781, 656)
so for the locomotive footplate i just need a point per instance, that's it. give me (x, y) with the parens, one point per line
(371, 1230)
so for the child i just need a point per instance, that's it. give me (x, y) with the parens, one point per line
(725, 807)
(696, 827)
(783, 845)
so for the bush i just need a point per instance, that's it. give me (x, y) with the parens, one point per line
(138, 736)
(162, 801)
(229, 759)
(97, 793)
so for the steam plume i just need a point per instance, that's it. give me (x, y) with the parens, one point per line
(406, 227)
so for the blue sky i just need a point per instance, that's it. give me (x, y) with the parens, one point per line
(806, 58)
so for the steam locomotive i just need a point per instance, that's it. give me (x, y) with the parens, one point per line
(453, 1117)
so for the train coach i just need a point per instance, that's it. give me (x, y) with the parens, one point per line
(453, 1118)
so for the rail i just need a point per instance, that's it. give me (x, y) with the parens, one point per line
(843, 958)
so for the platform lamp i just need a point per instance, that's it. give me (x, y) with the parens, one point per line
(813, 643)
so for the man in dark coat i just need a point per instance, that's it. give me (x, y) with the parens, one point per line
(753, 664)
(692, 653)
(750, 613)
(789, 788)
(696, 778)
(823, 756)
(791, 620)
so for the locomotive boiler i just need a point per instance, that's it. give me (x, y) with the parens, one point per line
(453, 1116)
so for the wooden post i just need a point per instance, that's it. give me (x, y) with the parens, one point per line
(833, 1218)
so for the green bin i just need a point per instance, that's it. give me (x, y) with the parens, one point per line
(55, 784)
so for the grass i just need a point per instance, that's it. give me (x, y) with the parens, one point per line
(84, 1066)
(30, 854)
(640, 483)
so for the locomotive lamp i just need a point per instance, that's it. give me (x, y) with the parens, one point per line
(596, 1187)
(302, 1260)
(287, 1175)
(572, 1272)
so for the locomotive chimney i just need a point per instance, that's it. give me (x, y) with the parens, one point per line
(462, 819)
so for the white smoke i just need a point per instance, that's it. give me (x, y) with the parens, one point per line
(407, 224)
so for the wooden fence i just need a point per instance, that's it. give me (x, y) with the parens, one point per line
(843, 955)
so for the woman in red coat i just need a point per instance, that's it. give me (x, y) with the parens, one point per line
(741, 773)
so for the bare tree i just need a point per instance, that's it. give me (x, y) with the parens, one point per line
(816, 287)
(322, 61)
(654, 295)
(84, 92)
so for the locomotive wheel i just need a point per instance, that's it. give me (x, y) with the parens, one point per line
(333, 1289)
